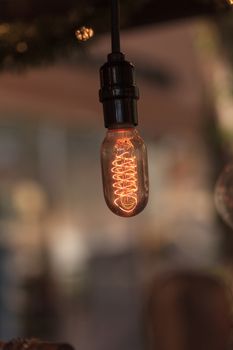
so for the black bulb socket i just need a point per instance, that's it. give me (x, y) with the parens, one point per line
(118, 92)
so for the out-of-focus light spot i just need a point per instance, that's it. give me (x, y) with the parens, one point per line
(21, 47)
(68, 250)
(84, 33)
(29, 199)
(4, 28)
(230, 2)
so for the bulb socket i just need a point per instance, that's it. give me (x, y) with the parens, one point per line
(118, 92)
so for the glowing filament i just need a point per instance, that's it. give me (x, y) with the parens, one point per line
(124, 170)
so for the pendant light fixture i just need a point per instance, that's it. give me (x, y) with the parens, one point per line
(123, 152)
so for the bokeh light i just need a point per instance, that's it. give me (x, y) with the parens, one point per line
(84, 33)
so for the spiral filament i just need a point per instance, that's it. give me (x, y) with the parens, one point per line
(124, 174)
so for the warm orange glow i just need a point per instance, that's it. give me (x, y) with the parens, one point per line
(84, 33)
(21, 47)
(124, 172)
(231, 2)
(4, 28)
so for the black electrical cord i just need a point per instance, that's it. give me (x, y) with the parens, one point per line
(115, 26)
(118, 91)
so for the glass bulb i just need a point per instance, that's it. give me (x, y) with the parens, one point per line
(224, 195)
(124, 172)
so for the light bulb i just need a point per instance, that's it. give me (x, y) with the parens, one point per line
(224, 195)
(123, 152)
(124, 171)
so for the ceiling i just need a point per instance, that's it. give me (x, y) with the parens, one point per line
(35, 32)
(135, 12)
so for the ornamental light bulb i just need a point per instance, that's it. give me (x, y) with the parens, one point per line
(124, 171)
(123, 152)
(224, 195)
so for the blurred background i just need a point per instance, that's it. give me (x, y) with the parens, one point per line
(69, 269)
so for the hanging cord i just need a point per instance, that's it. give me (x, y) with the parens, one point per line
(115, 22)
